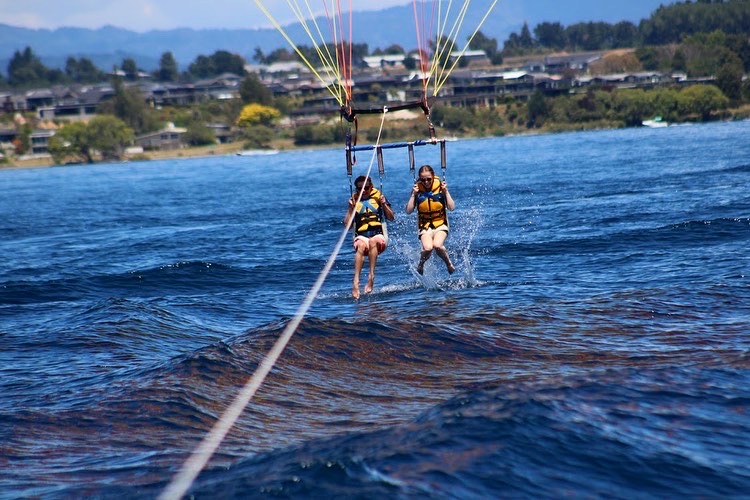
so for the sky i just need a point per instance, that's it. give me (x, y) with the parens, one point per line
(146, 15)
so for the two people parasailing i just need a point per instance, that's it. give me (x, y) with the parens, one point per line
(431, 198)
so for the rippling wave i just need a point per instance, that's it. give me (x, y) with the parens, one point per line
(593, 342)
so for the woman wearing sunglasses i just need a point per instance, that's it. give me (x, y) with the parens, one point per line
(369, 239)
(431, 198)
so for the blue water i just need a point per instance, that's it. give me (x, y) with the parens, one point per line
(592, 343)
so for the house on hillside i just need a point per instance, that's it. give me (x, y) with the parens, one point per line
(77, 103)
(40, 141)
(575, 62)
(471, 58)
(223, 132)
(39, 98)
(168, 138)
(484, 88)
(278, 69)
(642, 79)
(7, 136)
(222, 87)
(385, 61)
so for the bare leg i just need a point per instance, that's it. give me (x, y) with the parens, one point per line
(426, 252)
(373, 255)
(359, 260)
(438, 241)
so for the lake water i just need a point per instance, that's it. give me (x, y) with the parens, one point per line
(594, 341)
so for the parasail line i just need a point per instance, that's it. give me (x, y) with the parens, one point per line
(439, 85)
(284, 34)
(195, 463)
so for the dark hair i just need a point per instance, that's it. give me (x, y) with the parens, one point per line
(364, 179)
(426, 168)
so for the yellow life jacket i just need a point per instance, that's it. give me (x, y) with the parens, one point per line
(367, 216)
(431, 206)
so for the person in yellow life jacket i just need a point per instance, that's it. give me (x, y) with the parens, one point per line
(431, 198)
(369, 239)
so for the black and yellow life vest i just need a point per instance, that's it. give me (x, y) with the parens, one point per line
(431, 205)
(367, 216)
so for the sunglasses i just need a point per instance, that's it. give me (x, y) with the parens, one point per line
(425, 179)
(359, 188)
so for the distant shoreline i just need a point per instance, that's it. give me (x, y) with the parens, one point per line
(215, 150)
(236, 147)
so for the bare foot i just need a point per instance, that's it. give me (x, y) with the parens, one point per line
(355, 292)
(369, 285)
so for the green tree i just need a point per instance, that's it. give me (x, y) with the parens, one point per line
(258, 56)
(704, 100)
(525, 39)
(625, 34)
(109, 136)
(314, 134)
(26, 69)
(454, 119)
(79, 142)
(202, 67)
(633, 106)
(551, 35)
(394, 49)
(729, 78)
(226, 62)
(279, 55)
(257, 137)
(130, 68)
(649, 57)
(740, 45)
(671, 24)
(679, 61)
(216, 64)
(590, 36)
(129, 105)
(83, 70)
(252, 90)
(198, 134)
(358, 51)
(537, 110)
(488, 45)
(71, 144)
(168, 70)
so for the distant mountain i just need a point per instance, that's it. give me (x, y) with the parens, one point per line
(108, 46)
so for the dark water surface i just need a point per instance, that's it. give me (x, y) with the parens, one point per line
(594, 341)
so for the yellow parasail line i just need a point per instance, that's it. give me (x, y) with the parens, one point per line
(331, 69)
(466, 46)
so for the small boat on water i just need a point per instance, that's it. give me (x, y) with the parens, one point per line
(257, 152)
(655, 122)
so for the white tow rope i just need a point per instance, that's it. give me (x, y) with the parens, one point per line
(198, 459)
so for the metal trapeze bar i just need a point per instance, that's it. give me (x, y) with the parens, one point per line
(395, 145)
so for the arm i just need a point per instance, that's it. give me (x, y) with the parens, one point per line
(348, 217)
(448, 198)
(412, 197)
(387, 210)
